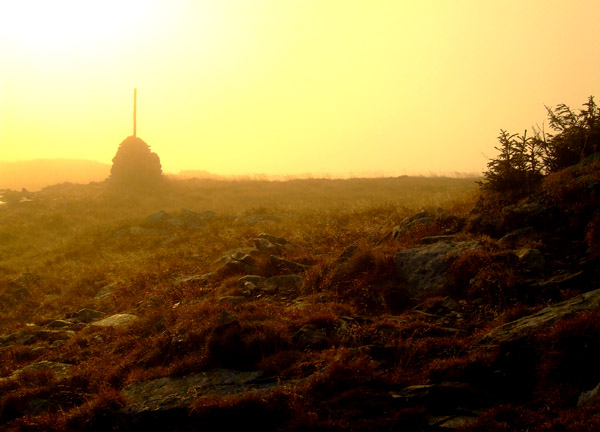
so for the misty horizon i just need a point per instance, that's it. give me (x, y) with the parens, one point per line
(35, 174)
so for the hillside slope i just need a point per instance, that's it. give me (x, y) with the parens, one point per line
(312, 312)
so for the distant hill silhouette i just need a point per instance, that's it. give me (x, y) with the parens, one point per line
(35, 174)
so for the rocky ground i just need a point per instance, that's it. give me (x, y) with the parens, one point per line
(481, 321)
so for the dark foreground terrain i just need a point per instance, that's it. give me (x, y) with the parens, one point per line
(365, 305)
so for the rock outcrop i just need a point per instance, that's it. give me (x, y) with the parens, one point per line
(423, 268)
(589, 301)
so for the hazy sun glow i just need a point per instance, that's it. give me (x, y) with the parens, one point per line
(65, 27)
(289, 87)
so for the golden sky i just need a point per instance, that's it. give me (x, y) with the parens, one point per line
(377, 87)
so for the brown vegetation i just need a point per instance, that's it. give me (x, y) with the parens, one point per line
(342, 350)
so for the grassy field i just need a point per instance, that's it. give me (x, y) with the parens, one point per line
(344, 342)
(72, 241)
(71, 225)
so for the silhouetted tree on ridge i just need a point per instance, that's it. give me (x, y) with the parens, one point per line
(523, 161)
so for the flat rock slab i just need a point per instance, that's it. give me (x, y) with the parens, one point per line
(118, 320)
(526, 325)
(178, 392)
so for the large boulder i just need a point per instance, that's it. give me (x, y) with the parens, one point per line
(423, 268)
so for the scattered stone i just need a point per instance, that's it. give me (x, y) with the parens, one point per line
(38, 351)
(418, 219)
(423, 268)
(118, 320)
(56, 324)
(131, 231)
(284, 266)
(161, 219)
(449, 222)
(275, 240)
(271, 245)
(237, 263)
(200, 280)
(188, 219)
(513, 237)
(587, 396)
(348, 253)
(532, 214)
(252, 279)
(57, 344)
(388, 354)
(453, 422)
(531, 260)
(234, 300)
(446, 397)
(250, 284)
(26, 280)
(226, 318)
(19, 288)
(17, 338)
(267, 247)
(285, 283)
(85, 315)
(54, 335)
(106, 291)
(441, 306)
(225, 343)
(437, 239)
(17, 294)
(254, 219)
(310, 336)
(60, 370)
(563, 281)
(192, 219)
